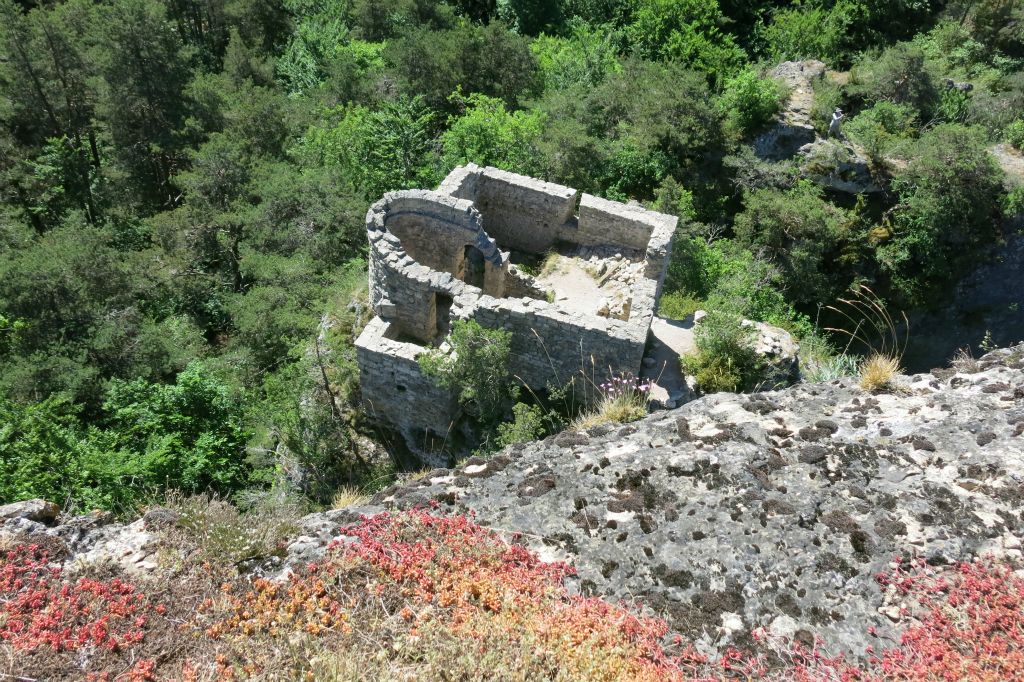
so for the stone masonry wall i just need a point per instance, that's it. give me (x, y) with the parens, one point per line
(531, 215)
(523, 213)
(420, 281)
(396, 391)
(550, 345)
(609, 222)
(404, 288)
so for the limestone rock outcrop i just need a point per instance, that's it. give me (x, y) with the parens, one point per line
(838, 165)
(90, 538)
(770, 510)
(793, 128)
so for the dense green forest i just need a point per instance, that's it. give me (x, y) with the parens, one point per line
(184, 185)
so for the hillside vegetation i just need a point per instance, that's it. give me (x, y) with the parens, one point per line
(184, 185)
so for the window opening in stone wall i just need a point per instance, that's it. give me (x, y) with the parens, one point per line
(474, 267)
(443, 308)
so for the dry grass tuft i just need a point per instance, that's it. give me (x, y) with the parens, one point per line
(965, 362)
(611, 412)
(621, 399)
(551, 264)
(348, 496)
(407, 477)
(219, 531)
(878, 371)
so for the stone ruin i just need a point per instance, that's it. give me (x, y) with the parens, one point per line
(460, 253)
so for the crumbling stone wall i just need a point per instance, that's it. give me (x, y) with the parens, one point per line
(436, 257)
(395, 391)
(418, 246)
(550, 345)
(521, 213)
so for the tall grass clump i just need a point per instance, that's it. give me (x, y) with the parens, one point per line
(877, 372)
(220, 531)
(876, 330)
(623, 398)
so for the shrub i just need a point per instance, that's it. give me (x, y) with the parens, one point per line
(801, 33)
(489, 135)
(954, 106)
(799, 231)
(188, 435)
(1013, 202)
(584, 58)
(44, 452)
(725, 359)
(1015, 134)
(528, 424)
(687, 32)
(695, 267)
(897, 75)
(476, 367)
(830, 368)
(531, 17)
(749, 101)
(220, 532)
(949, 210)
(880, 127)
(672, 198)
(678, 305)
(820, 361)
(725, 276)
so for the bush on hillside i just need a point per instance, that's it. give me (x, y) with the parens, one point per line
(187, 436)
(798, 231)
(725, 359)
(1015, 134)
(487, 134)
(881, 127)
(949, 209)
(749, 101)
(898, 75)
(476, 369)
(802, 33)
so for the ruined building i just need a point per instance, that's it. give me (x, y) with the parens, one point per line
(451, 254)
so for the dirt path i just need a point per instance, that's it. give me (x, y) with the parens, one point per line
(1012, 163)
(668, 340)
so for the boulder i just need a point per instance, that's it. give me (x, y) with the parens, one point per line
(780, 352)
(37, 510)
(838, 165)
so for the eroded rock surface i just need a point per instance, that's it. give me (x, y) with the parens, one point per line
(769, 510)
(793, 127)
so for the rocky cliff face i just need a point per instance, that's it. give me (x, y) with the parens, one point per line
(736, 512)
(772, 510)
